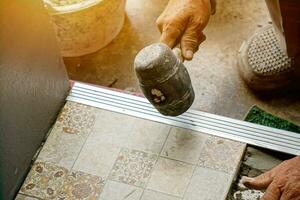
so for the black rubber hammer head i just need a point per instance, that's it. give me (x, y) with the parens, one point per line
(164, 79)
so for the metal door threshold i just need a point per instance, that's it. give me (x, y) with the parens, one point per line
(257, 135)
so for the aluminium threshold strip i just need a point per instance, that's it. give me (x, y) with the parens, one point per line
(257, 135)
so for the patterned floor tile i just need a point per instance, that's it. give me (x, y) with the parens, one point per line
(76, 118)
(208, 184)
(96, 158)
(81, 186)
(130, 132)
(44, 181)
(153, 195)
(221, 154)
(117, 191)
(23, 197)
(133, 167)
(171, 177)
(184, 145)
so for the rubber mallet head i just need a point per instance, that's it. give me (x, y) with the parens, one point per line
(164, 79)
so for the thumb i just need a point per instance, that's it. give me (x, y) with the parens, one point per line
(260, 182)
(190, 41)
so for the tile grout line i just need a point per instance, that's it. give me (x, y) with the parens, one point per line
(162, 148)
(190, 180)
(180, 161)
(140, 187)
(172, 195)
(108, 175)
(26, 195)
(197, 165)
(88, 135)
(203, 167)
(158, 155)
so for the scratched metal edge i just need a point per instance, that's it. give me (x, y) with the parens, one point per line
(216, 125)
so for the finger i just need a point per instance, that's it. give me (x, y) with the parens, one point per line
(190, 41)
(170, 35)
(260, 182)
(272, 193)
(263, 180)
(159, 23)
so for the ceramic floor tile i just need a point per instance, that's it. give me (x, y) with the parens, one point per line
(23, 197)
(118, 191)
(184, 145)
(87, 146)
(76, 118)
(133, 133)
(68, 134)
(171, 177)
(61, 149)
(221, 154)
(153, 195)
(81, 186)
(208, 184)
(44, 180)
(133, 167)
(96, 158)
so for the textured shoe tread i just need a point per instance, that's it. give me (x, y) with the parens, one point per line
(265, 56)
(262, 64)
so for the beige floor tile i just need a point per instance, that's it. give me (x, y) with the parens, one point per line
(118, 191)
(68, 134)
(44, 181)
(23, 197)
(184, 145)
(208, 184)
(133, 167)
(96, 158)
(171, 177)
(133, 133)
(221, 154)
(81, 186)
(61, 148)
(153, 195)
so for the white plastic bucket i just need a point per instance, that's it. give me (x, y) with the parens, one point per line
(85, 26)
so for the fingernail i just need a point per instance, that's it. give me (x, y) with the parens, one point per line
(246, 179)
(189, 54)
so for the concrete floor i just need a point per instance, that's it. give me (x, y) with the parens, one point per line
(217, 84)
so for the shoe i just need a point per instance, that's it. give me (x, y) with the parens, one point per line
(262, 64)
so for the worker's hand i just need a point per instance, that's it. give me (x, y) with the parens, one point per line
(282, 182)
(182, 22)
